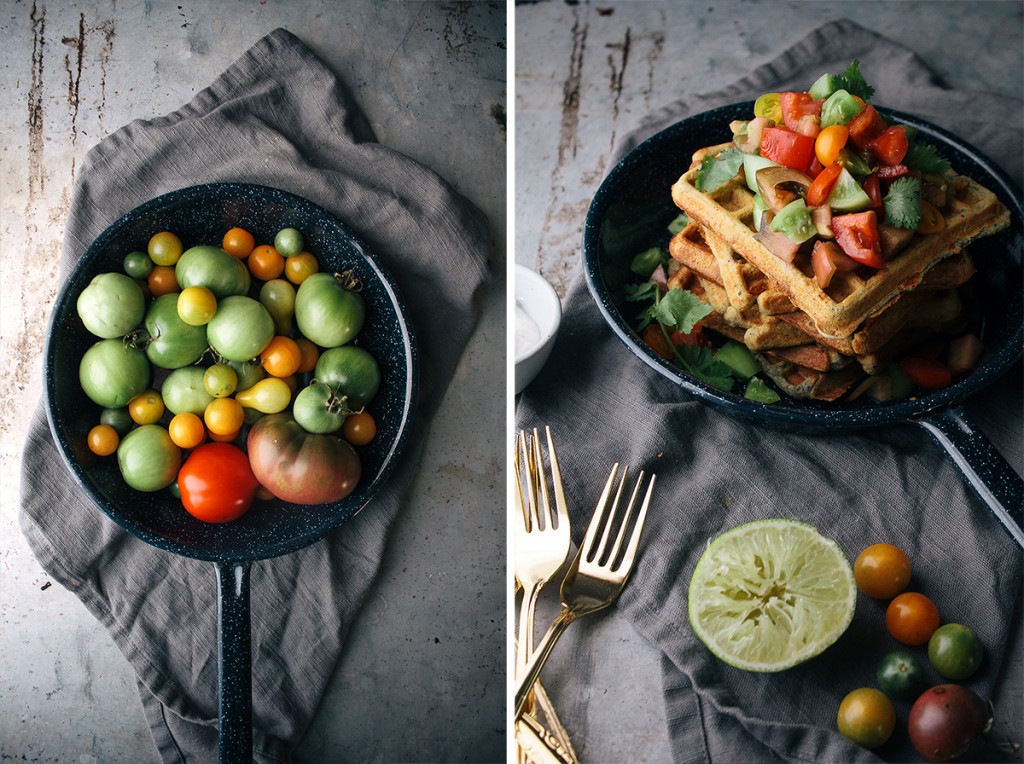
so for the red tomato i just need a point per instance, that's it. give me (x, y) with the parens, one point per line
(216, 482)
(927, 372)
(797, 105)
(873, 190)
(857, 234)
(866, 126)
(912, 618)
(787, 148)
(694, 337)
(822, 184)
(891, 146)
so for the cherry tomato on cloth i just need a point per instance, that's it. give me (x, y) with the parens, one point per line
(867, 717)
(946, 723)
(882, 571)
(912, 618)
(901, 676)
(216, 483)
(955, 651)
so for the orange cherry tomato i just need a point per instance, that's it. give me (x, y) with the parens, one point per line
(359, 428)
(298, 268)
(882, 571)
(224, 416)
(912, 618)
(162, 280)
(103, 440)
(238, 242)
(186, 430)
(147, 407)
(830, 142)
(281, 357)
(266, 263)
(310, 354)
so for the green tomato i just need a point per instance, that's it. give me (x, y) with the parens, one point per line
(111, 373)
(278, 297)
(351, 371)
(118, 418)
(318, 410)
(900, 675)
(248, 373)
(867, 717)
(288, 242)
(240, 328)
(172, 342)
(137, 265)
(326, 312)
(213, 268)
(955, 651)
(112, 305)
(148, 458)
(220, 380)
(184, 390)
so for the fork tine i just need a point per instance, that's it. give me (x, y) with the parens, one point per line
(625, 517)
(561, 504)
(599, 518)
(517, 465)
(531, 483)
(610, 521)
(630, 556)
(542, 480)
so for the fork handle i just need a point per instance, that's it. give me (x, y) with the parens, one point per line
(540, 655)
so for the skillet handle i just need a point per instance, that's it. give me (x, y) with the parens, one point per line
(987, 472)
(234, 659)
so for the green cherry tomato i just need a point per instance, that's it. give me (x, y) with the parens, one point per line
(112, 305)
(137, 265)
(111, 373)
(351, 371)
(900, 676)
(326, 312)
(220, 380)
(248, 373)
(119, 419)
(867, 717)
(278, 297)
(240, 328)
(955, 651)
(288, 242)
(184, 390)
(172, 342)
(148, 458)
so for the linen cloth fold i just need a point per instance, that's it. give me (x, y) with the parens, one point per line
(278, 117)
(890, 485)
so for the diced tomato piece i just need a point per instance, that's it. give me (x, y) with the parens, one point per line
(892, 172)
(873, 190)
(866, 126)
(694, 337)
(797, 105)
(891, 146)
(822, 184)
(826, 259)
(926, 372)
(787, 148)
(857, 234)
(655, 340)
(814, 167)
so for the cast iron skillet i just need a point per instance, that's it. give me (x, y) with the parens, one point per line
(201, 215)
(630, 213)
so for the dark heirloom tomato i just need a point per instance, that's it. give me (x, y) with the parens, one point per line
(216, 482)
(301, 467)
(947, 722)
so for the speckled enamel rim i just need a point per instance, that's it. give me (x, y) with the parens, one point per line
(242, 540)
(674, 145)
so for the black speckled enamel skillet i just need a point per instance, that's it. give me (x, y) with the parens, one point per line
(201, 215)
(632, 207)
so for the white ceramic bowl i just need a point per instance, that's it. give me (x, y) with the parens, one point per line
(538, 313)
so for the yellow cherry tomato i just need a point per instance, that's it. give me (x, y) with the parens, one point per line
(147, 407)
(223, 416)
(164, 248)
(186, 430)
(196, 305)
(103, 440)
(298, 268)
(769, 106)
(268, 396)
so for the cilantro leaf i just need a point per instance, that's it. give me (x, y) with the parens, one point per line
(855, 84)
(924, 157)
(714, 171)
(903, 203)
(679, 308)
(699, 362)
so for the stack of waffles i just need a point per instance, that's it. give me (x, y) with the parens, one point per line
(814, 342)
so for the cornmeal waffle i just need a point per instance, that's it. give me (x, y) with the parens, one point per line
(837, 311)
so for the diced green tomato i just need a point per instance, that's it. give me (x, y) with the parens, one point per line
(794, 220)
(796, 106)
(839, 108)
(857, 235)
(751, 164)
(854, 162)
(847, 195)
(738, 357)
(926, 372)
(678, 223)
(901, 384)
(824, 86)
(769, 106)
(866, 126)
(759, 209)
(758, 391)
(645, 263)
(787, 148)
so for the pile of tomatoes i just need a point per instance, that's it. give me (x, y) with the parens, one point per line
(197, 369)
(945, 720)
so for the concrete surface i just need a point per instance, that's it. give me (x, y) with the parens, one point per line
(585, 75)
(423, 674)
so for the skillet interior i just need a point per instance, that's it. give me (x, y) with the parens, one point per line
(633, 206)
(201, 215)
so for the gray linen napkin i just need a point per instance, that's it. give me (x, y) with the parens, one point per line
(714, 473)
(278, 117)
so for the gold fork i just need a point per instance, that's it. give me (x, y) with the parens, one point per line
(597, 574)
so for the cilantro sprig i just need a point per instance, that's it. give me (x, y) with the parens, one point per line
(714, 171)
(854, 83)
(903, 203)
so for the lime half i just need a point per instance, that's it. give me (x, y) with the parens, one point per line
(770, 594)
